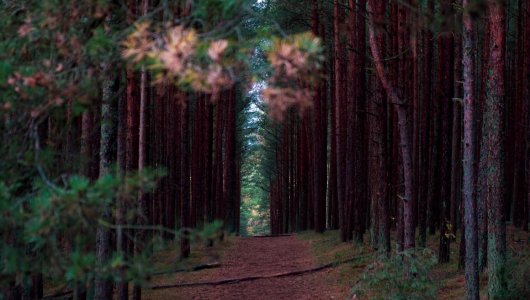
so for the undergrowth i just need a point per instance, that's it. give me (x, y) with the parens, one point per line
(518, 274)
(379, 277)
(405, 275)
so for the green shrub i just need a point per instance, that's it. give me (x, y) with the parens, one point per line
(402, 276)
(36, 227)
(518, 276)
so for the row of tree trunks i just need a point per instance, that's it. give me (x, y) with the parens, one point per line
(427, 137)
(158, 126)
(202, 175)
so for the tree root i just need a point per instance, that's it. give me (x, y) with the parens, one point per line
(252, 278)
(271, 235)
(192, 269)
(62, 293)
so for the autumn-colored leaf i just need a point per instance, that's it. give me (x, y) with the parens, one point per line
(216, 49)
(24, 30)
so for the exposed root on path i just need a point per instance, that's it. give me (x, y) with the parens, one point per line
(252, 278)
(61, 293)
(271, 235)
(192, 269)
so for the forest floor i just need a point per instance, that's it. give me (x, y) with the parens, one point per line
(244, 257)
(447, 279)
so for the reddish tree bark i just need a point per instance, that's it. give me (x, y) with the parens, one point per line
(482, 205)
(403, 126)
(516, 192)
(444, 95)
(425, 141)
(141, 206)
(102, 287)
(526, 216)
(493, 151)
(470, 204)
(318, 151)
(333, 209)
(218, 163)
(377, 172)
(229, 163)
(352, 125)
(185, 205)
(340, 121)
(361, 133)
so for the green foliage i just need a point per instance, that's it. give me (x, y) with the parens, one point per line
(518, 275)
(216, 11)
(53, 51)
(53, 228)
(100, 44)
(206, 233)
(254, 214)
(254, 202)
(403, 276)
(52, 57)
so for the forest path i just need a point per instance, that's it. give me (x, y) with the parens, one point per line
(258, 257)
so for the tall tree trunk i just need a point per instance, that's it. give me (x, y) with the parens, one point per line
(120, 203)
(209, 208)
(333, 209)
(352, 124)
(141, 219)
(456, 147)
(403, 124)
(482, 204)
(339, 118)
(103, 286)
(470, 204)
(229, 163)
(444, 94)
(526, 210)
(319, 158)
(185, 214)
(218, 162)
(361, 136)
(425, 141)
(380, 221)
(493, 149)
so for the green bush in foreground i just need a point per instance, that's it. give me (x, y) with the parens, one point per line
(51, 230)
(518, 276)
(402, 276)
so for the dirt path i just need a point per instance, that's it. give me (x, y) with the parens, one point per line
(256, 257)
